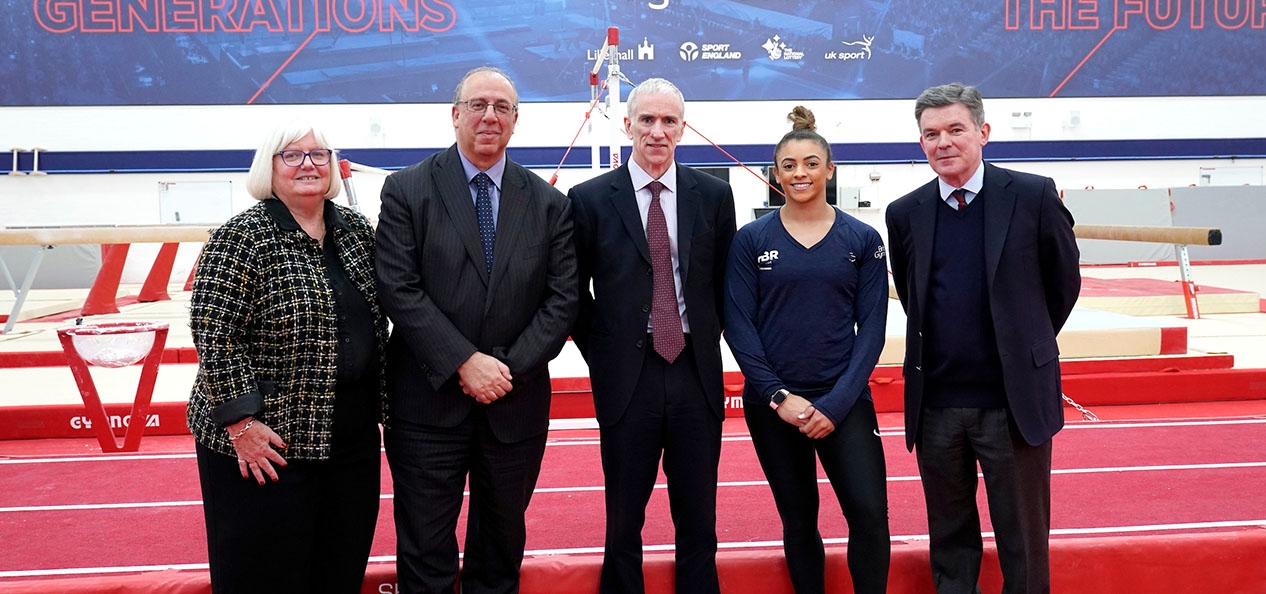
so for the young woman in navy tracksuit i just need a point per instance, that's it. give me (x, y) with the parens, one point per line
(806, 304)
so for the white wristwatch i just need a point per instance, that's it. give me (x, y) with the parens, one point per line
(778, 398)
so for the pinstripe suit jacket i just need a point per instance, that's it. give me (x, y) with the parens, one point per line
(444, 306)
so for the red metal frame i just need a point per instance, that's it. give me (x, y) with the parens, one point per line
(135, 422)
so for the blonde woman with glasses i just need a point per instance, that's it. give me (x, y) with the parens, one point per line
(288, 397)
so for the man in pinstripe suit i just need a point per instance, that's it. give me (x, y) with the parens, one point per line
(477, 271)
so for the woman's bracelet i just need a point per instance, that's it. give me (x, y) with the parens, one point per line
(242, 431)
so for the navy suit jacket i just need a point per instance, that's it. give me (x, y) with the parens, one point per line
(1032, 281)
(612, 252)
(445, 306)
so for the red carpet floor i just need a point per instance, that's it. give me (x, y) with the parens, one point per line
(66, 509)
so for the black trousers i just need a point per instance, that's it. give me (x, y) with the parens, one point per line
(853, 458)
(308, 532)
(429, 468)
(670, 416)
(1017, 485)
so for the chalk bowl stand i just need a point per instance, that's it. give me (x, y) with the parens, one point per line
(115, 345)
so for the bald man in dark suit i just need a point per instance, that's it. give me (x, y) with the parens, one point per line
(477, 271)
(653, 237)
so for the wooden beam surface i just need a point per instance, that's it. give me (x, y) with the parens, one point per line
(1170, 235)
(105, 235)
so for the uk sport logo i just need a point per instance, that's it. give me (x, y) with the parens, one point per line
(864, 43)
(863, 52)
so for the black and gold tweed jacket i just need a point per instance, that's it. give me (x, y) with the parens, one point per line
(263, 322)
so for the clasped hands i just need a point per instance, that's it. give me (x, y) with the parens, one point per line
(798, 411)
(484, 378)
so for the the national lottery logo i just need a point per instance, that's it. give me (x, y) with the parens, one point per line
(766, 260)
(779, 50)
(860, 50)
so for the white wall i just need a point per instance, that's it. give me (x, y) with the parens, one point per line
(554, 124)
(133, 198)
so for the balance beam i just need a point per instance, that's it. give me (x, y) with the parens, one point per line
(1179, 237)
(1170, 235)
(101, 298)
(104, 235)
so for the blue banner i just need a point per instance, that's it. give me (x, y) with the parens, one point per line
(231, 52)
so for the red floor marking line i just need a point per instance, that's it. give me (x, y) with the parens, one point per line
(102, 458)
(1083, 62)
(887, 432)
(1159, 527)
(95, 570)
(1159, 467)
(98, 506)
(1135, 425)
(281, 68)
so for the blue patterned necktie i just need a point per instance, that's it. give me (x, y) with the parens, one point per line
(483, 211)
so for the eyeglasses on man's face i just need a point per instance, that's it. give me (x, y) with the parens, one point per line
(479, 106)
(294, 158)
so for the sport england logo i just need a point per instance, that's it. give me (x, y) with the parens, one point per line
(864, 54)
(691, 51)
(766, 260)
(779, 50)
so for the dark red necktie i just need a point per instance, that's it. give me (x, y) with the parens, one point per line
(665, 318)
(960, 195)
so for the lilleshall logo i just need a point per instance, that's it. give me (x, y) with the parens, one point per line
(863, 45)
(644, 51)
